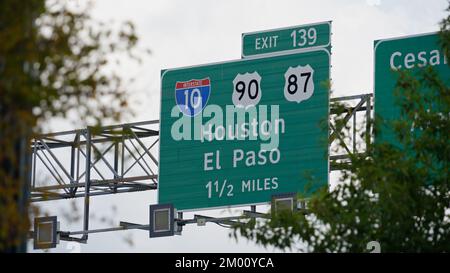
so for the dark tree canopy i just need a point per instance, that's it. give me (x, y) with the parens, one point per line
(55, 61)
(397, 195)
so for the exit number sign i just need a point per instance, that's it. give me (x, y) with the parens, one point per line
(291, 39)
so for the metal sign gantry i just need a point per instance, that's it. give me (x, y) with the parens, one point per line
(123, 158)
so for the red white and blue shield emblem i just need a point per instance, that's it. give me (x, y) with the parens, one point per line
(192, 96)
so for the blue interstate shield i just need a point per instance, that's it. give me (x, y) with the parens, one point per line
(192, 96)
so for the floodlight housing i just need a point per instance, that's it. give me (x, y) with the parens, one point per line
(45, 233)
(284, 201)
(162, 220)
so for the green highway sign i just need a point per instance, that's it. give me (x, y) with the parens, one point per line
(237, 132)
(288, 39)
(406, 53)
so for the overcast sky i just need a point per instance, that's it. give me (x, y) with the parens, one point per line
(184, 33)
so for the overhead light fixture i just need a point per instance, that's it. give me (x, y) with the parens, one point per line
(285, 201)
(162, 222)
(45, 233)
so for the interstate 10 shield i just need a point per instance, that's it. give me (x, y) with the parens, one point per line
(192, 96)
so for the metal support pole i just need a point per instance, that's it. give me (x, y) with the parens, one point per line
(354, 133)
(369, 121)
(87, 184)
(26, 159)
(77, 175)
(178, 222)
(72, 168)
(116, 163)
(122, 156)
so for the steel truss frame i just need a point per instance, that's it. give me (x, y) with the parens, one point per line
(360, 137)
